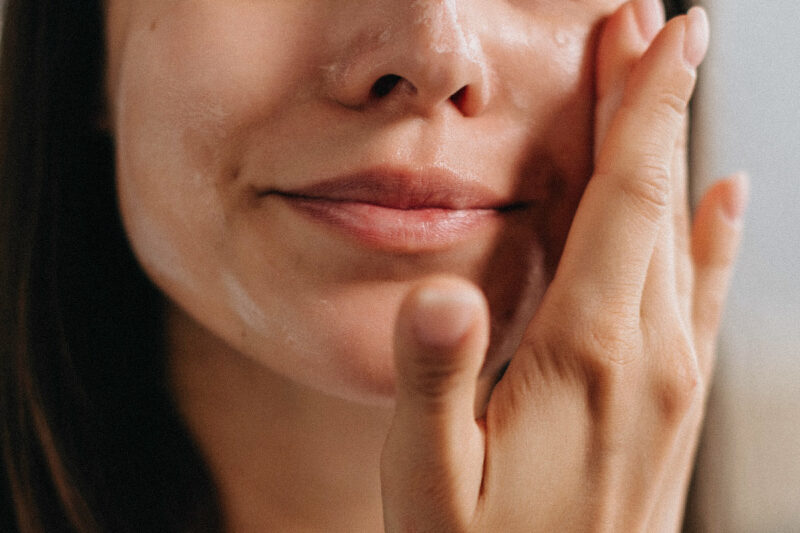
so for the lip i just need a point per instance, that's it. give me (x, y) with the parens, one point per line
(398, 210)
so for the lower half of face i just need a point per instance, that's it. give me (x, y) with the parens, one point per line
(287, 173)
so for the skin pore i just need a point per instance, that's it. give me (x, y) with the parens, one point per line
(231, 119)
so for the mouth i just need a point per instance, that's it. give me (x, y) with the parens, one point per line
(402, 211)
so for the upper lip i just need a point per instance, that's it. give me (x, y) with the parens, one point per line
(403, 189)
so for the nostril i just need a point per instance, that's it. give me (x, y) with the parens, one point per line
(459, 97)
(385, 85)
(462, 99)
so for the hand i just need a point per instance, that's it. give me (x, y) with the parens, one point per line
(594, 424)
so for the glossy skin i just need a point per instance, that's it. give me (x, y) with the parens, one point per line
(216, 101)
(307, 314)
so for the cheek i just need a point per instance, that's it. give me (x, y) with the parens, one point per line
(552, 82)
(193, 79)
(199, 72)
(188, 75)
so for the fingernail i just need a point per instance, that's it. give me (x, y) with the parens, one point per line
(443, 317)
(735, 202)
(695, 42)
(649, 17)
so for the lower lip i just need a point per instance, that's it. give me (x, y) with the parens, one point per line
(397, 229)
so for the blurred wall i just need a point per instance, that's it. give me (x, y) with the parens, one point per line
(747, 116)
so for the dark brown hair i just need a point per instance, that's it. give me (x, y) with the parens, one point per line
(90, 440)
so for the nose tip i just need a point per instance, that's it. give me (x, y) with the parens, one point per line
(422, 95)
(465, 99)
(426, 60)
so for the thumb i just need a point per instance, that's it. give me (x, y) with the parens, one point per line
(432, 461)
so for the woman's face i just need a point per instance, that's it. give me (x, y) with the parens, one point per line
(288, 169)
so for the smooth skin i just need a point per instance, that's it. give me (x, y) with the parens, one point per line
(293, 351)
(594, 425)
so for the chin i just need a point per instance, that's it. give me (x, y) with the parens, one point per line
(350, 355)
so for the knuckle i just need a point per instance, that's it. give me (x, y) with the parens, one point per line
(590, 347)
(672, 104)
(648, 188)
(601, 331)
(678, 385)
(433, 379)
(669, 102)
(613, 340)
(610, 348)
(545, 360)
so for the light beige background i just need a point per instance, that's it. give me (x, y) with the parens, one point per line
(748, 116)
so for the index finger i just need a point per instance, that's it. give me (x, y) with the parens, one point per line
(612, 237)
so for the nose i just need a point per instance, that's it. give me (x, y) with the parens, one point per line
(420, 55)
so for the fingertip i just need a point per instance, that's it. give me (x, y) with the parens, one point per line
(441, 338)
(649, 17)
(718, 221)
(625, 37)
(729, 197)
(736, 197)
(696, 37)
(444, 313)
